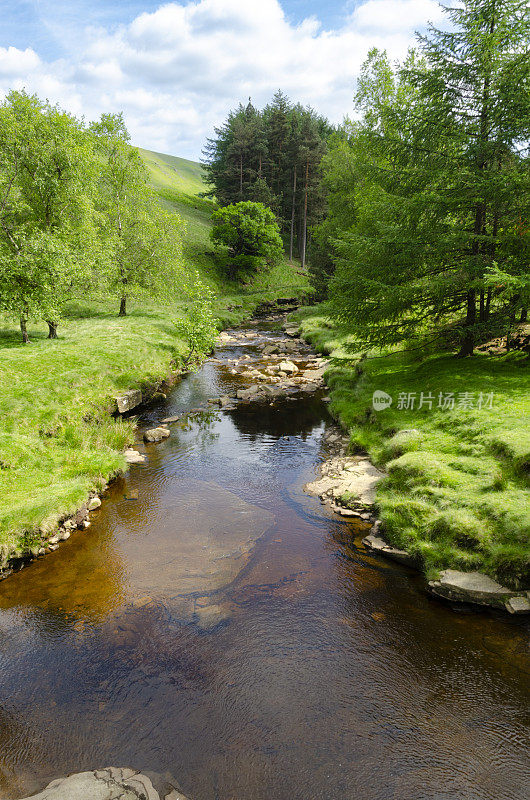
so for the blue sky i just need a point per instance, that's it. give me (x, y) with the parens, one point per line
(175, 69)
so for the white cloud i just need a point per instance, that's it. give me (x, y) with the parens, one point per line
(177, 71)
(14, 61)
(395, 15)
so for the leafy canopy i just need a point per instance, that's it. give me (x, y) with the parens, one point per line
(250, 233)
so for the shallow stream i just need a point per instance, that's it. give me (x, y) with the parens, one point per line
(218, 624)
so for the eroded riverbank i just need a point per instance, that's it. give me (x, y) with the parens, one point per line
(321, 672)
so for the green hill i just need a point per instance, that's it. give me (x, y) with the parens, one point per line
(179, 182)
(174, 173)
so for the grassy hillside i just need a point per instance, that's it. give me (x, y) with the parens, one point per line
(457, 488)
(57, 438)
(174, 173)
(178, 183)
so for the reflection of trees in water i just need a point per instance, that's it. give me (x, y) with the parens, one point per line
(297, 417)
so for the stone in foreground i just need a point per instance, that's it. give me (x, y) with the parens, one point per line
(112, 783)
(352, 476)
(518, 605)
(475, 587)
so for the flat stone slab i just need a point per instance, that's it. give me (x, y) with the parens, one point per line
(475, 587)
(348, 475)
(518, 605)
(112, 783)
(378, 545)
(129, 400)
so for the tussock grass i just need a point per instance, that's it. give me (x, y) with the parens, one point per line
(457, 492)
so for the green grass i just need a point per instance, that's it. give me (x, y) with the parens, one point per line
(457, 489)
(58, 440)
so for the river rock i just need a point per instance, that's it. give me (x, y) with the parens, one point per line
(93, 503)
(378, 545)
(248, 394)
(112, 783)
(475, 587)
(155, 435)
(288, 367)
(354, 476)
(518, 605)
(129, 400)
(133, 456)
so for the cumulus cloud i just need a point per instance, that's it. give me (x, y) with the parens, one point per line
(175, 72)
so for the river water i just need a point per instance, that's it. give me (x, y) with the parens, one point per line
(218, 624)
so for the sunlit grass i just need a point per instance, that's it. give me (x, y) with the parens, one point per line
(457, 490)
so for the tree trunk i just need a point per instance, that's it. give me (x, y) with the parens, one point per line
(304, 229)
(52, 329)
(482, 314)
(123, 306)
(524, 315)
(292, 217)
(488, 305)
(471, 316)
(24, 326)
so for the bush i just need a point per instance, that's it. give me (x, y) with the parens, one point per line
(250, 233)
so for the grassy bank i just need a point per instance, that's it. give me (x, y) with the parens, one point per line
(58, 440)
(457, 492)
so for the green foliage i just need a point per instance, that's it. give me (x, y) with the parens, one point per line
(437, 179)
(197, 325)
(47, 222)
(272, 157)
(142, 240)
(250, 232)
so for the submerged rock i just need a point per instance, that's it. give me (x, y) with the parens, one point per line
(112, 783)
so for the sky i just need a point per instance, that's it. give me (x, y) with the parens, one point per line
(176, 69)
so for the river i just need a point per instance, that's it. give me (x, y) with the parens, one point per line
(217, 623)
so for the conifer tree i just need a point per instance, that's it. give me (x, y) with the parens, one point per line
(441, 161)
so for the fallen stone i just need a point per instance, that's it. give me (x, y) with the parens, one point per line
(129, 400)
(247, 394)
(134, 457)
(154, 435)
(94, 503)
(472, 587)
(169, 420)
